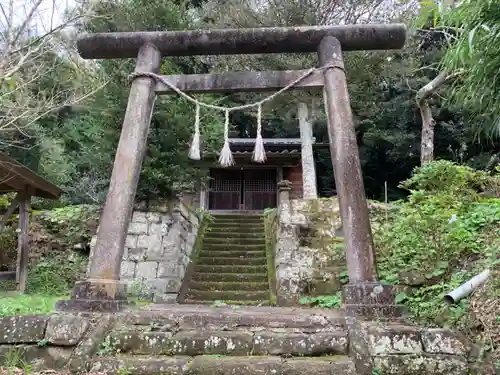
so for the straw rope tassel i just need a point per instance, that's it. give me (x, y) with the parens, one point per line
(226, 156)
(259, 153)
(194, 151)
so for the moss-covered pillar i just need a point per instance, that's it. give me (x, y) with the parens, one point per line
(308, 167)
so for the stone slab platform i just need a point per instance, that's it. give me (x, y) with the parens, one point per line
(213, 365)
(192, 317)
(194, 339)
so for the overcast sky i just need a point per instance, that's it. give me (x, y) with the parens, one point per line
(48, 15)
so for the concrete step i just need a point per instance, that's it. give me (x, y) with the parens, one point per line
(220, 365)
(229, 286)
(230, 277)
(232, 295)
(226, 246)
(231, 261)
(231, 269)
(235, 343)
(233, 240)
(232, 253)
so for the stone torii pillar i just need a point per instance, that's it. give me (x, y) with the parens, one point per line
(364, 295)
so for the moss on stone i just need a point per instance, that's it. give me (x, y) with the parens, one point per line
(228, 277)
(230, 269)
(236, 285)
(228, 295)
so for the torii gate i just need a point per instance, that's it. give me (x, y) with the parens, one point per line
(102, 290)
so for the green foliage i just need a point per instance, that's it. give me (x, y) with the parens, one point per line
(75, 147)
(8, 248)
(445, 232)
(476, 26)
(55, 273)
(22, 304)
(15, 359)
(329, 302)
(108, 347)
(71, 225)
(445, 177)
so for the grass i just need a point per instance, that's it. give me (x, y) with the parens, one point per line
(13, 303)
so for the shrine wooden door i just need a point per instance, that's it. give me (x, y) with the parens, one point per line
(224, 191)
(259, 189)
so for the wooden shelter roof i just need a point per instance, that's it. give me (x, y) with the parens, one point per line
(16, 177)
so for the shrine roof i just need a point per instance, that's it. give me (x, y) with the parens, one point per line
(16, 177)
(267, 141)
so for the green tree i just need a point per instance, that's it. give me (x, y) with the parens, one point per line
(40, 76)
(91, 135)
(474, 27)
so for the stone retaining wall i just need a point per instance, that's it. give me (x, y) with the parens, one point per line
(158, 248)
(310, 253)
(48, 341)
(309, 256)
(391, 349)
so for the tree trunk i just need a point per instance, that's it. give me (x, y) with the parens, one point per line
(427, 142)
(428, 122)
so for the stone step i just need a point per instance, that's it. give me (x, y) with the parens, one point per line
(245, 295)
(230, 269)
(237, 343)
(232, 253)
(241, 234)
(199, 317)
(236, 227)
(229, 286)
(220, 247)
(228, 302)
(231, 261)
(236, 277)
(233, 240)
(220, 365)
(237, 218)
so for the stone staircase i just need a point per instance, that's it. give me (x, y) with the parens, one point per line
(231, 265)
(195, 339)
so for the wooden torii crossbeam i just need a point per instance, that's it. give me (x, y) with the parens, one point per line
(364, 294)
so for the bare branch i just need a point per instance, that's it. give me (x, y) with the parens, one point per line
(25, 23)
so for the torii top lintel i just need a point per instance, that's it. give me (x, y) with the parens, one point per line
(242, 41)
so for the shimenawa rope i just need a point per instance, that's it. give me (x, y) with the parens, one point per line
(226, 157)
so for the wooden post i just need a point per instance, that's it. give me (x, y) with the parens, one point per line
(23, 241)
(102, 290)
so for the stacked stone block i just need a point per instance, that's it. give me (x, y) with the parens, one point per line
(158, 248)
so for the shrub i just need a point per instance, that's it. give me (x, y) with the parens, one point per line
(445, 231)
